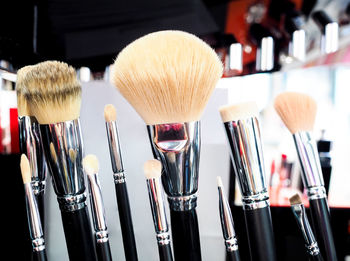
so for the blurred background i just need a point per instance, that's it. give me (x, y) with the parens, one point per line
(267, 47)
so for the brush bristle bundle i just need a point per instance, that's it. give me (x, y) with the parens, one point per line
(294, 200)
(219, 181)
(110, 113)
(240, 111)
(152, 169)
(297, 111)
(90, 164)
(167, 76)
(25, 169)
(52, 92)
(22, 105)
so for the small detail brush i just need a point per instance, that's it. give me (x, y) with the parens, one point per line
(243, 134)
(303, 223)
(120, 184)
(168, 77)
(30, 145)
(53, 94)
(298, 112)
(228, 230)
(153, 172)
(36, 233)
(91, 168)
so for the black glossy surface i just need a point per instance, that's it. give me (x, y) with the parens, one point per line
(103, 251)
(165, 253)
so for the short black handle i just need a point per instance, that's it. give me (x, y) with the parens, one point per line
(316, 258)
(125, 219)
(165, 253)
(260, 234)
(233, 256)
(39, 255)
(322, 227)
(185, 231)
(40, 200)
(103, 251)
(79, 236)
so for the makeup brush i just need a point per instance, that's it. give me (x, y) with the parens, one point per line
(298, 112)
(303, 223)
(36, 232)
(30, 143)
(53, 94)
(228, 230)
(243, 133)
(121, 190)
(91, 168)
(168, 77)
(153, 172)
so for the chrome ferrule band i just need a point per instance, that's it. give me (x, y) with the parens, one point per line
(226, 219)
(38, 244)
(231, 244)
(309, 159)
(256, 201)
(177, 146)
(63, 147)
(101, 236)
(313, 249)
(114, 147)
(34, 221)
(119, 177)
(30, 145)
(316, 193)
(304, 225)
(163, 238)
(156, 200)
(96, 203)
(247, 159)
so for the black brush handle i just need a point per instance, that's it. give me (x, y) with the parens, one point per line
(40, 201)
(260, 234)
(39, 255)
(103, 250)
(126, 222)
(184, 227)
(322, 227)
(316, 258)
(233, 256)
(165, 252)
(79, 236)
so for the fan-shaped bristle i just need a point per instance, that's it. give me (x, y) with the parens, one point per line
(234, 112)
(167, 76)
(294, 200)
(110, 113)
(25, 169)
(152, 169)
(297, 111)
(52, 92)
(90, 164)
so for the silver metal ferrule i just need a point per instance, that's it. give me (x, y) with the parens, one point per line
(228, 230)
(30, 145)
(97, 208)
(304, 225)
(177, 146)
(115, 152)
(310, 164)
(63, 147)
(35, 229)
(247, 159)
(156, 200)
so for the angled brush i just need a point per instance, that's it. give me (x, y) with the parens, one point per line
(53, 95)
(121, 190)
(168, 78)
(298, 112)
(243, 134)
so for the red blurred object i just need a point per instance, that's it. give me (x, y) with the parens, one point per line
(14, 131)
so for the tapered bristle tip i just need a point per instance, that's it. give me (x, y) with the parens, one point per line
(25, 169)
(219, 181)
(294, 200)
(90, 164)
(110, 113)
(152, 169)
(239, 111)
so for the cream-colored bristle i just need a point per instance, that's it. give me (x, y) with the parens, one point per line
(25, 169)
(52, 92)
(294, 200)
(167, 76)
(110, 113)
(240, 111)
(90, 164)
(219, 181)
(22, 105)
(152, 169)
(297, 111)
